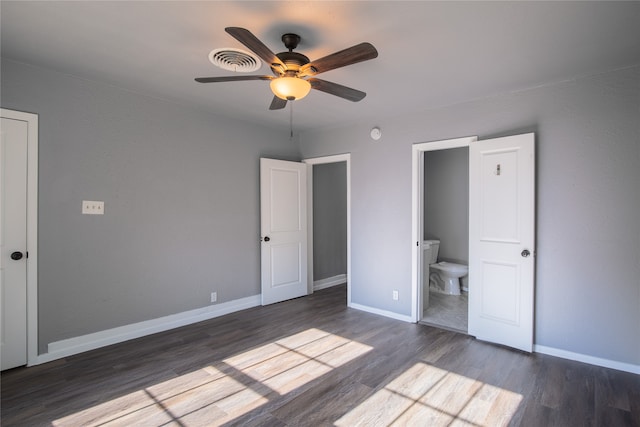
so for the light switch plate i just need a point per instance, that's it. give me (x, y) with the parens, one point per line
(92, 207)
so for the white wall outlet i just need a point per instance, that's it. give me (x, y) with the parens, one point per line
(92, 207)
(214, 296)
(395, 295)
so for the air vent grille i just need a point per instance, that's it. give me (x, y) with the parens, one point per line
(234, 60)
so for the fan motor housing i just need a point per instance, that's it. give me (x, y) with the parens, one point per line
(293, 59)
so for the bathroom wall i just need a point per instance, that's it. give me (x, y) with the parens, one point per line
(329, 220)
(446, 211)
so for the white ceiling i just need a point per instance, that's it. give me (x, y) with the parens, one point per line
(431, 54)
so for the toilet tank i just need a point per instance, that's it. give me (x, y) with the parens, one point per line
(430, 254)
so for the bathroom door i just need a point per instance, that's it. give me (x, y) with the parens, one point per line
(502, 240)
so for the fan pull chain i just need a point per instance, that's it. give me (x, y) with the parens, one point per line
(291, 120)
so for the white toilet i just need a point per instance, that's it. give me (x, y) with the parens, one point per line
(444, 277)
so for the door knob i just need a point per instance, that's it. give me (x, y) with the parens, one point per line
(267, 238)
(16, 256)
(525, 253)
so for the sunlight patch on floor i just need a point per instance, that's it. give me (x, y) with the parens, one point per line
(200, 394)
(426, 395)
(292, 362)
(218, 394)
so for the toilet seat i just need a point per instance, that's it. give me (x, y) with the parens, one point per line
(450, 267)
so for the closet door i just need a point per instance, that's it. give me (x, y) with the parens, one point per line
(283, 211)
(13, 243)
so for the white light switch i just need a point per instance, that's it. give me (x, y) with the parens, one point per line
(92, 207)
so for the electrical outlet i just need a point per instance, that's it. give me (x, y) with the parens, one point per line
(92, 207)
(395, 295)
(214, 296)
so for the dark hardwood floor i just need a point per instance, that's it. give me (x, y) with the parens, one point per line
(313, 362)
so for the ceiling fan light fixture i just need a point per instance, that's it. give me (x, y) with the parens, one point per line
(290, 88)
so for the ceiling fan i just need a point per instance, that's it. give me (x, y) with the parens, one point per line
(293, 72)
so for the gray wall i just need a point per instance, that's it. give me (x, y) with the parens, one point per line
(588, 203)
(446, 202)
(329, 220)
(181, 203)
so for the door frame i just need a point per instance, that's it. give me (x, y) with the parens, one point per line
(32, 228)
(417, 213)
(317, 161)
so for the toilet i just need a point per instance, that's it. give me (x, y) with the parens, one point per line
(443, 276)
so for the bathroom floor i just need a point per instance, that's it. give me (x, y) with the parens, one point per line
(447, 311)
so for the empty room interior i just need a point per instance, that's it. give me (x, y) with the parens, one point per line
(292, 213)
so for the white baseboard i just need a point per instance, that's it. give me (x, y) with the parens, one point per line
(329, 282)
(76, 345)
(592, 360)
(71, 346)
(578, 357)
(384, 313)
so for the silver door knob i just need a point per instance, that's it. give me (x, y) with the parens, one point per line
(525, 253)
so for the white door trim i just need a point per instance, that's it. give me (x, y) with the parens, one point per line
(317, 161)
(32, 228)
(417, 212)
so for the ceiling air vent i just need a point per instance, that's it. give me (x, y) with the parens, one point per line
(234, 60)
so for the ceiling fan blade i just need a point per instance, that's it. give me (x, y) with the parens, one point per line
(230, 79)
(277, 103)
(337, 90)
(256, 46)
(352, 55)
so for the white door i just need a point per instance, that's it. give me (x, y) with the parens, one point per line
(13, 243)
(283, 209)
(502, 240)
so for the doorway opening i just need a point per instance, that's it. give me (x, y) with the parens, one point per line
(440, 224)
(446, 238)
(329, 212)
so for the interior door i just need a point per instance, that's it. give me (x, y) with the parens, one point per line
(502, 240)
(13, 243)
(283, 210)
